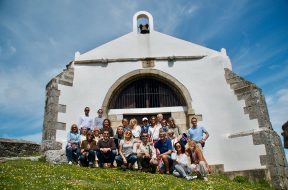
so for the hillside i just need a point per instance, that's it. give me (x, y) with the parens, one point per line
(23, 174)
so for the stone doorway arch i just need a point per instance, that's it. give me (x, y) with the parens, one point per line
(160, 75)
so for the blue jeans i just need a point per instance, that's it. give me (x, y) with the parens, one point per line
(107, 157)
(72, 155)
(130, 159)
(85, 160)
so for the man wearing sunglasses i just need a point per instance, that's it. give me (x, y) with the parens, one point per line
(86, 120)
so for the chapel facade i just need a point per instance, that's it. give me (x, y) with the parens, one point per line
(146, 72)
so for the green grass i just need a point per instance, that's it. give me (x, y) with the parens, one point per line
(23, 174)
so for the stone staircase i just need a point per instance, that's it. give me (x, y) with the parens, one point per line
(256, 108)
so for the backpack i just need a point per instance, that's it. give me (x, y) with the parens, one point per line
(183, 139)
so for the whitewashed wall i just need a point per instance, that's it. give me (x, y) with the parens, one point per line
(211, 96)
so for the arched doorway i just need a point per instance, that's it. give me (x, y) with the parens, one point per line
(115, 108)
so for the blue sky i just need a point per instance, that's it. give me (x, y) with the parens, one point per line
(38, 38)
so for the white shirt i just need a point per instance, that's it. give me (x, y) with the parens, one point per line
(173, 142)
(181, 158)
(154, 132)
(98, 122)
(85, 121)
(136, 131)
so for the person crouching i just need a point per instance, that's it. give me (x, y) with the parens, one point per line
(146, 154)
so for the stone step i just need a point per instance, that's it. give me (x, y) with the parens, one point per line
(239, 84)
(244, 89)
(217, 168)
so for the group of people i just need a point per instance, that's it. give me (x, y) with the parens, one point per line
(156, 145)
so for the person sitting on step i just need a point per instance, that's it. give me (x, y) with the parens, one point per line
(164, 146)
(88, 148)
(146, 154)
(181, 167)
(198, 162)
(73, 145)
(106, 150)
(127, 150)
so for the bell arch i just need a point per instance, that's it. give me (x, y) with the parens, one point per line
(157, 74)
(145, 15)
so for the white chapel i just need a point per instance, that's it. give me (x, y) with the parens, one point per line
(146, 72)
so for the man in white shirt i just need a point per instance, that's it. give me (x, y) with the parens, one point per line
(159, 119)
(86, 120)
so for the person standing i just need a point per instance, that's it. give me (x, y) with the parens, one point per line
(154, 129)
(98, 121)
(135, 129)
(195, 133)
(172, 125)
(145, 126)
(164, 125)
(125, 125)
(159, 119)
(86, 120)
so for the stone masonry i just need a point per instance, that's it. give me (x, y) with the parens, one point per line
(52, 107)
(16, 148)
(255, 106)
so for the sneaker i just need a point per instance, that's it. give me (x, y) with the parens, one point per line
(135, 166)
(205, 178)
(194, 177)
(70, 163)
(189, 178)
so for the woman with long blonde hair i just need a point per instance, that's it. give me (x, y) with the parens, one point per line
(198, 162)
(135, 129)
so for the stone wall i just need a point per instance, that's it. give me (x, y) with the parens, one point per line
(52, 107)
(17, 148)
(255, 106)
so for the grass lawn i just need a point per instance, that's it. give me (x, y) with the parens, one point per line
(23, 174)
